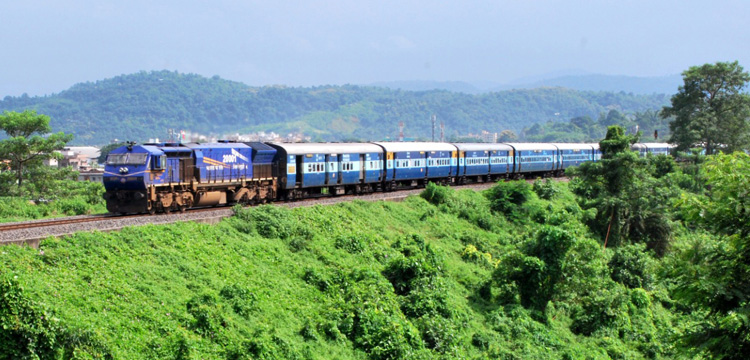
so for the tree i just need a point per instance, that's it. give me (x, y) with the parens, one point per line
(26, 145)
(712, 275)
(507, 136)
(711, 108)
(622, 190)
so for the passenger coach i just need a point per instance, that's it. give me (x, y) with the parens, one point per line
(328, 168)
(413, 164)
(534, 159)
(573, 155)
(483, 161)
(652, 148)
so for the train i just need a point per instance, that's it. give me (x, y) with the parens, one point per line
(173, 177)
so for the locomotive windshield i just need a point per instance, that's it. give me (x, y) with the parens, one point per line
(126, 159)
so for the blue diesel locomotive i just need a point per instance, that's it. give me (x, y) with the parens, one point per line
(169, 177)
(166, 177)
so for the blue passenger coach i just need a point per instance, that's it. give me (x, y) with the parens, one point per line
(415, 163)
(334, 168)
(534, 159)
(483, 161)
(573, 155)
(652, 148)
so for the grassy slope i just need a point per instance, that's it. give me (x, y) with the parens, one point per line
(310, 285)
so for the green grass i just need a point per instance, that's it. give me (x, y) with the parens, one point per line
(20, 209)
(356, 280)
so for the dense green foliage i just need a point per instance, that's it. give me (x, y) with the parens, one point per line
(65, 198)
(145, 105)
(712, 108)
(441, 276)
(621, 190)
(711, 273)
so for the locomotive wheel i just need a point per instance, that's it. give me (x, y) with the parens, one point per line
(151, 209)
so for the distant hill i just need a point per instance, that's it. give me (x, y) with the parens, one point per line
(583, 82)
(146, 104)
(610, 83)
(417, 85)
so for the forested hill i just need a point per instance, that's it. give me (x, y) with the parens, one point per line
(146, 104)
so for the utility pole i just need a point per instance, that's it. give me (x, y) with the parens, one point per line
(442, 131)
(434, 118)
(400, 131)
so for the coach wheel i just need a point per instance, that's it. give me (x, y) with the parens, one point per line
(151, 209)
(183, 208)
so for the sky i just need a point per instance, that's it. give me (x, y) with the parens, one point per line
(48, 46)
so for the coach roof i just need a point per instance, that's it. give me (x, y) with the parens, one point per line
(482, 147)
(573, 146)
(532, 146)
(416, 146)
(328, 148)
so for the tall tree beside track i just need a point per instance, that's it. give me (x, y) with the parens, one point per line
(711, 108)
(622, 189)
(29, 141)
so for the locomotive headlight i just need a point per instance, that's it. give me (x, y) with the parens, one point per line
(123, 170)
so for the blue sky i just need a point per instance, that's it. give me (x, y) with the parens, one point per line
(48, 46)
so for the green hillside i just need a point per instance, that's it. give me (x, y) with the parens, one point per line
(437, 276)
(146, 104)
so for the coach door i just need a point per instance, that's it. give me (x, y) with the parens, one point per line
(362, 174)
(299, 163)
(332, 169)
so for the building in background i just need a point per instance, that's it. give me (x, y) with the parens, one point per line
(80, 158)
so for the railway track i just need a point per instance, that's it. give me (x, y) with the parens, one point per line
(53, 222)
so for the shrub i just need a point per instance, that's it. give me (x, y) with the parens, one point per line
(438, 333)
(273, 222)
(31, 331)
(436, 194)
(507, 197)
(240, 298)
(207, 313)
(599, 310)
(631, 266)
(470, 253)
(74, 206)
(351, 243)
(537, 270)
(545, 190)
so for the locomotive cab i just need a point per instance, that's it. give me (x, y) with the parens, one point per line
(127, 173)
